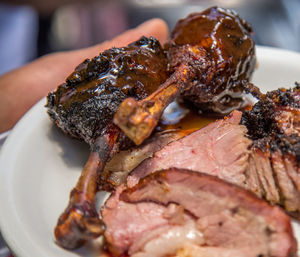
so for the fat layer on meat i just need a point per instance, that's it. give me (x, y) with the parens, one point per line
(185, 213)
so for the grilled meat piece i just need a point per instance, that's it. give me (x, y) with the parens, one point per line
(230, 50)
(274, 126)
(185, 213)
(276, 113)
(212, 57)
(257, 150)
(84, 106)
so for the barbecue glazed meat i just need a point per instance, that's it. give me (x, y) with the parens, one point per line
(185, 213)
(230, 51)
(212, 58)
(257, 150)
(84, 106)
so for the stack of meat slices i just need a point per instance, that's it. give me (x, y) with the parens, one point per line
(189, 199)
(179, 212)
(257, 149)
(274, 164)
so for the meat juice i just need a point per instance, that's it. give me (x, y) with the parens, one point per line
(179, 118)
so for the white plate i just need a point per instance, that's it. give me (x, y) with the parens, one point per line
(40, 165)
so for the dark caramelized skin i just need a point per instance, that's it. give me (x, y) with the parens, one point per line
(84, 105)
(211, 58)
(230, 51)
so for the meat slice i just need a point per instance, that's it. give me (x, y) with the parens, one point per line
(118, 168)
(219, 149)
(211, 58)
(83, 107)
(257, 149)
(185, 213)
(290, 194)
(263, 168)
(273, 125)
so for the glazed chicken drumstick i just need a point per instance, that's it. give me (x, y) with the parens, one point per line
(211, 57)
(84, 106)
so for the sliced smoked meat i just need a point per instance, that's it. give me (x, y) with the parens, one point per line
(185, 213)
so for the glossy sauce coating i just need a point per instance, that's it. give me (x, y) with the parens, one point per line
(230, 53)
(136, 70)
(86, 103)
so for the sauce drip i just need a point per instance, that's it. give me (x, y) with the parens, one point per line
(136, 70)
(178, 118)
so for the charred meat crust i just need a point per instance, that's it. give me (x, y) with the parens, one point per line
(266, 122)
(274, 126)
(261, 121)
(84, 105)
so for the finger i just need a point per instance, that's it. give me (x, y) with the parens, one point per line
(62, 64)
(154, 27)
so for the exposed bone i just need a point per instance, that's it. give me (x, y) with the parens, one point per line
(80, 221)
(137, 119)
(211, 56)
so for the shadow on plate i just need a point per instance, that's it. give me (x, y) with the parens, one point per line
(73, 152)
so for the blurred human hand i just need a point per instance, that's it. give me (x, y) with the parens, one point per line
(20, 89)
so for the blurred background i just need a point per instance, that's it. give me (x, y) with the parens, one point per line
(29, 29)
